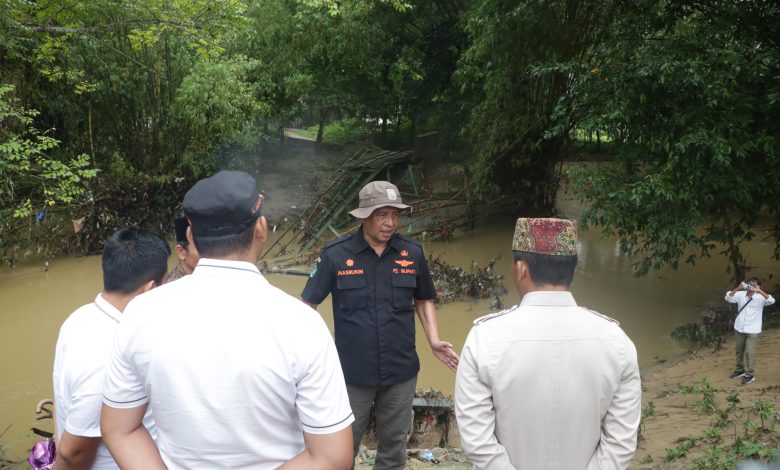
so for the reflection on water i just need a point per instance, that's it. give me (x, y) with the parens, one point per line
(35, 303)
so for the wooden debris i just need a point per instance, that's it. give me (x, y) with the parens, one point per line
(452, 282)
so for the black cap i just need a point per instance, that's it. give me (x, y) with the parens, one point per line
(223, 204)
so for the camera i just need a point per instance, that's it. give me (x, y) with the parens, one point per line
(749, 285)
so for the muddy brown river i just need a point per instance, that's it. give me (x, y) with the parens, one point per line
(35, 303)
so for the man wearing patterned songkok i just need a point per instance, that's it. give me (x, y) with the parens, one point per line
(547, 384)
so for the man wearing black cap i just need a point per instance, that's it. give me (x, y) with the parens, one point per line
(378, 279)
(238, 373)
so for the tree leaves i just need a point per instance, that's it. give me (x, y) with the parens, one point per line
(31, 178)
(683, 95)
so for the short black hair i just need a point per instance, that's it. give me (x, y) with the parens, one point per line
(548, 269)
(180, 226)
(132, 257)
(223, 245)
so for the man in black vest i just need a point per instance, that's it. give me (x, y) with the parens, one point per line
(378, 279)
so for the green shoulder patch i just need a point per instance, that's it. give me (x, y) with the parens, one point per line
(314, 269)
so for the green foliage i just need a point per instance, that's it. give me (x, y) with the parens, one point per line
(648, 410)
(707, 402)
(750, 449)
(715, 459)
(724, 416)
(746, 446)
(766, 412)
(33, 180)
(686, 93)
(329, 61)
(108, 73)
(713, 435)
(646, 459)
(689, 92)
(344, 131)
(217, 104)
(518, 64)
(681, 450)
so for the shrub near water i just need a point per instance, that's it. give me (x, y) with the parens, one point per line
(715, 324)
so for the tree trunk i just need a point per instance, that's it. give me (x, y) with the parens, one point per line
(321, 129)
(598, 140)
(736, 259)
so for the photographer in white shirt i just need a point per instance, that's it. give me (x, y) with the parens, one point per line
(750, 300)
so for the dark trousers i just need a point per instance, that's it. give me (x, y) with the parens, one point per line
(746, 346)
(393, 410)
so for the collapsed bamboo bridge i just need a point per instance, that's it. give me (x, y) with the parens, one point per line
(435, 215)
(327, 216)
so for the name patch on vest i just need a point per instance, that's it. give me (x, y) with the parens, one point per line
(349, 272)
(404, 271)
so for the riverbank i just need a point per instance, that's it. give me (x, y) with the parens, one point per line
(700, 426)
(687, 422)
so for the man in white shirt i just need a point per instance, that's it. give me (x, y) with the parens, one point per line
(547, 384)
(239, 374)
(133, 263)
(750, 300)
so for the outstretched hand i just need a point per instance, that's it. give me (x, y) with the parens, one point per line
(446, 354)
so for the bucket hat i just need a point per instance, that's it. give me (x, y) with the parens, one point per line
(377, 194)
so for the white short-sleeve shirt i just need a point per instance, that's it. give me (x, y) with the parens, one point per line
(82, 349)
(235, 369)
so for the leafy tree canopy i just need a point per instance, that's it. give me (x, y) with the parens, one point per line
(33, 182)
(690, 91)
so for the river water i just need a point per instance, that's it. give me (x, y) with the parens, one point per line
(36, 302)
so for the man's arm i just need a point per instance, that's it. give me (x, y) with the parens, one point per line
(320, 282)
(441, 349)
(766, 296)
(127, 439)
(76, 452)
(730, 294)
(324, 451)
(620, 426)
(477, 416)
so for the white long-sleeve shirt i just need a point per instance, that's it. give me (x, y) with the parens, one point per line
(548, 385)
(750, 316)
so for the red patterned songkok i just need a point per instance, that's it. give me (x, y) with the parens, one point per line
(556, 237)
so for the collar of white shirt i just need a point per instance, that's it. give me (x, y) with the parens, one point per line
(105, 307)
(549, 298)
(225, 268)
